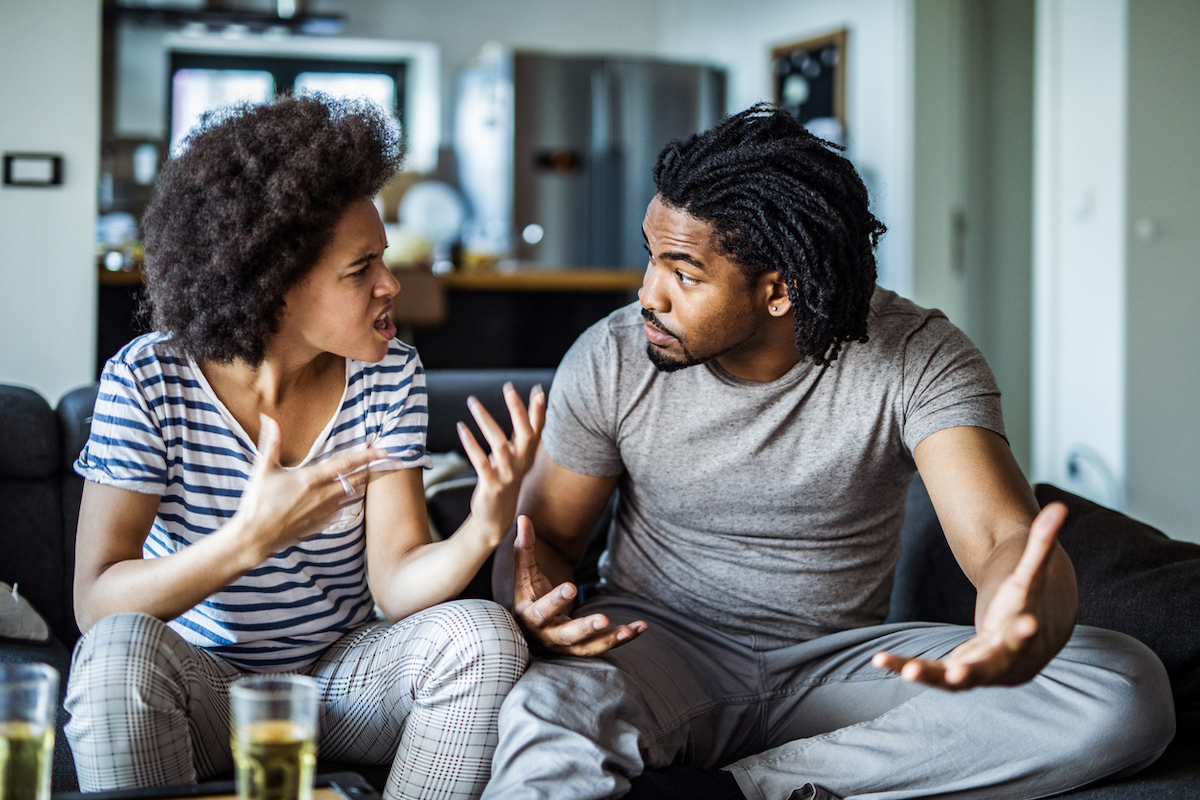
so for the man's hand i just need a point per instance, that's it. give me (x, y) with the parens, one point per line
(541, 608)
(1006, 649)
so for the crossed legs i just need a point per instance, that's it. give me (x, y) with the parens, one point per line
(818, 714)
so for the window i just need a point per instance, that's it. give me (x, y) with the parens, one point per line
(202, 82)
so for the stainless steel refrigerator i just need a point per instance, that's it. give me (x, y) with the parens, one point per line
(555, 152)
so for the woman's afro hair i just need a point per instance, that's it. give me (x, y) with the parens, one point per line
(242, 214)
(781, 200)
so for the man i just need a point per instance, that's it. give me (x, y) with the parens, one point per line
(762, 414)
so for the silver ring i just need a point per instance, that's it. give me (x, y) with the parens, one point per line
(346, 487)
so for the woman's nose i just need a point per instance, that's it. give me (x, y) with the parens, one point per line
(388, 285)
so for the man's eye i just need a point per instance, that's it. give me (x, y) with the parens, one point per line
(687, 280)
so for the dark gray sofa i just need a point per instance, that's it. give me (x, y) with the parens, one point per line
(1131, 577)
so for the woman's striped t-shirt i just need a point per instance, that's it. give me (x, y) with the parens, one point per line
(158, 428)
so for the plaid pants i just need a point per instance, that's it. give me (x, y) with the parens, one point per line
(148, 708)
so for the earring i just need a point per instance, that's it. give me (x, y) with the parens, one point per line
(774, 308)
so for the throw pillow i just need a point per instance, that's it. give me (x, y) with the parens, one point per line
(1136, 580)
(18, 619)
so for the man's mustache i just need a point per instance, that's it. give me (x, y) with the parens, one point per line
(650, 317)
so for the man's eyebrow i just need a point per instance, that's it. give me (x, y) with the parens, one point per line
(673, 256)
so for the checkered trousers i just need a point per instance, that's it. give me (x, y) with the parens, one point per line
(148, 708)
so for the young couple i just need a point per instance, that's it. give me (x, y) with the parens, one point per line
(254, 492)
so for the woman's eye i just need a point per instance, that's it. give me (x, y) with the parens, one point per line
(360, 272)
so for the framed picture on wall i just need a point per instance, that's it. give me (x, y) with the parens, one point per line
(810, 82)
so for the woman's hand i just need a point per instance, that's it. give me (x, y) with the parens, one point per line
(281, 507)
(494, 502)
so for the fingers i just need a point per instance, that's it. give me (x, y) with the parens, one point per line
(528, 582)
(522, 429)
(525, 535)
(540, 611)
(1042, 535)
(926, 671)
(597, 644)
(527, 423)
(269, 443)
(475, 453)
(348, 466)
(537, 408)
(501, 454)
(979, 661)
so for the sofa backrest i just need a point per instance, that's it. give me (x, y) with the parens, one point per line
(448, 392)
(75, 422)
(31, 526)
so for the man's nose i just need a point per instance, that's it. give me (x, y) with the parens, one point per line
(651, 294)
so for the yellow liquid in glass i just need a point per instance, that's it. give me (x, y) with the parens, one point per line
(26, 752)
(275, 760)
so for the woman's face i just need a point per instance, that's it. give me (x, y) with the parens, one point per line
(342, 306)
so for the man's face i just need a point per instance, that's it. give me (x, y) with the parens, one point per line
(696, 302)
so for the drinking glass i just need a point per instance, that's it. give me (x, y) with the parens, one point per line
(274, 736)
(28, 701)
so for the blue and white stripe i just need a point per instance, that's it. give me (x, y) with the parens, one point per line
(158, 428)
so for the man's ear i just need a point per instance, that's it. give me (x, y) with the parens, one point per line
(773, 292)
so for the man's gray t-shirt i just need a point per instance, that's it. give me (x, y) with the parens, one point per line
(768, 510)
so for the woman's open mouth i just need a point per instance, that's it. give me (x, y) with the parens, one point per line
(385, 326)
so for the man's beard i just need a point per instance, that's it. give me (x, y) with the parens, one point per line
(664, 363)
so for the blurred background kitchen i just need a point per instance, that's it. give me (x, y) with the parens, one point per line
(1035, 162)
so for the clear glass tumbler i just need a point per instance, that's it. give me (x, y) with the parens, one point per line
(274, 736)
(28, 702)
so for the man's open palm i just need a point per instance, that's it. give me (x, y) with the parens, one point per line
(1005, 650)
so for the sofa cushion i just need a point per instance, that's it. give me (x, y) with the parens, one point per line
(1136, 580)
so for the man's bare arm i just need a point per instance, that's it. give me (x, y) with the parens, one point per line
(1027, 600)
(532, 574)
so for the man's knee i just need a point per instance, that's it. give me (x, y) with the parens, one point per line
(1130, 711)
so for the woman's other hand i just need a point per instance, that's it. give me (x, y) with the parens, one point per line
(281, 507)
(494, 502)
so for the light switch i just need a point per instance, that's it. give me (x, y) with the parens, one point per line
(32, 169)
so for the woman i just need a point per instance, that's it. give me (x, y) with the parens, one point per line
(202, 557)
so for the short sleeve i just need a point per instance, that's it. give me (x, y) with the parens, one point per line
(405, 404)
(947, 383)
(580, 432)
(125, 448)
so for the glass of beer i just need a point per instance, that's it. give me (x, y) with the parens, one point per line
(274, 736)
(28, 701)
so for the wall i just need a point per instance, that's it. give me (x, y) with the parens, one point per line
(739, 36)
(1079, 251)
(50, 85)
(973, 184)
(1162, 353)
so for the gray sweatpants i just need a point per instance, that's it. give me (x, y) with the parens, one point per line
(818, 714)
(148, 708)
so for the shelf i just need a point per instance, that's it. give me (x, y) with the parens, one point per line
(559, 280)
(593, 280)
